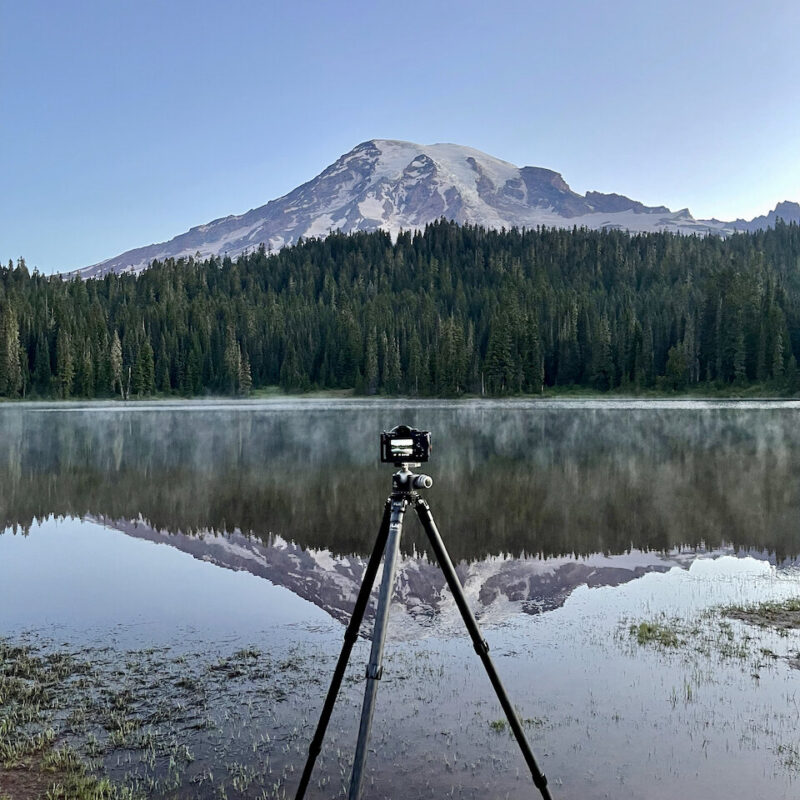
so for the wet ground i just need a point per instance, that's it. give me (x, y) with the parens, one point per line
(170, 707)
(180, 660)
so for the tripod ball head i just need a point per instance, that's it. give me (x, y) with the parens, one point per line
(405, 481)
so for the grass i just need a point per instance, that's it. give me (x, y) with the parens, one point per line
(31, 766)
(75, 782)
(708, 635)
(501, 724)
(662, 634)
(712, 634)
(780, 615)
(103, 725)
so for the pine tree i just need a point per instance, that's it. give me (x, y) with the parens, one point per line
(292, 377)
(147, 368)
(777, 327)
(451, 358)
(677, 371)
(233, 363)
(245, 376)
(163, 380)
(371, 363)
(137, 375)
(791, 376)
(602, 364)
(65, 368)
(84, 374)
(777, 356)
(739, 356)
(393, 374)
(41, 365)
(10, 355)
(415, 372)
(498, 356)
(532, 358)
(115, 365)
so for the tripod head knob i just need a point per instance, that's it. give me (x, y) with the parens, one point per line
(406, 481)
(422, 481)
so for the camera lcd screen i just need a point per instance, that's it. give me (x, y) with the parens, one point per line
(402, 447)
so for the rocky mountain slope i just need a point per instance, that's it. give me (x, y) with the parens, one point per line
(396, 185)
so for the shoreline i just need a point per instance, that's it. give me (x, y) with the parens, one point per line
(274, 395)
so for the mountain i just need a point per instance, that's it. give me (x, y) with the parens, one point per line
(397, 185)
(787, 211)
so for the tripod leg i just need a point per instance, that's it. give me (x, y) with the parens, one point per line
(481, 647)
(375, 668)
(350, 638)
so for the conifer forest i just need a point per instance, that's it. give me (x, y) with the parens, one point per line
(447, 311)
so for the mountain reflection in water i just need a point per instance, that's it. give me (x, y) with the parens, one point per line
(514, 483)
(332, 582)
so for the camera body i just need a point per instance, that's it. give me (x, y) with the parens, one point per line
(405, 445)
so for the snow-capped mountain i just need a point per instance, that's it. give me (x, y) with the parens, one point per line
(396, 185)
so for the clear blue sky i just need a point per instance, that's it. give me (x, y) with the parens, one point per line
(125, 123)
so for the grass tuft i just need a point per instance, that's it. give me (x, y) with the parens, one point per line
(656, 633)
(781, 615)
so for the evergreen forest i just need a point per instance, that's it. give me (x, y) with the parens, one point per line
(442, 312)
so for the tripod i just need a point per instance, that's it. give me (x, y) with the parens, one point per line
(404, 493)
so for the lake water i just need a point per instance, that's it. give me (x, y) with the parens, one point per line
(227, 540)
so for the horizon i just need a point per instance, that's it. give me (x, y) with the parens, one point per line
(124, 129)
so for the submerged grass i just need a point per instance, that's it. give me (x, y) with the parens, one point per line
(780, 615)
(658, 633)
(31, 766)
(709, 634)
(712, 634)
(698, 652)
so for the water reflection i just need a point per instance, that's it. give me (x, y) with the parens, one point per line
(533, 500)
(293, 492)
(498, 586)
(544, 479)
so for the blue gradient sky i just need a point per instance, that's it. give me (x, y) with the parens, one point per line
(125, 123)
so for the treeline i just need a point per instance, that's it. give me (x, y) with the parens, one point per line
(442, 312)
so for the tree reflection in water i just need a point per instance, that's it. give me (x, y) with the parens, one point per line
(537, 479)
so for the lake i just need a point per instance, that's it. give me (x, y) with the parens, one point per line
(196, 561)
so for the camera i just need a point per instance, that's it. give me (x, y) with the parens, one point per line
(405, 445)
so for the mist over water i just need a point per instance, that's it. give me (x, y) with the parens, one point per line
(541, 479)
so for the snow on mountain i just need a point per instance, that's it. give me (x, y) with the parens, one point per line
(393, 185)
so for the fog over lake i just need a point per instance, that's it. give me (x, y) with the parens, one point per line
(210, 526)
(516, 478)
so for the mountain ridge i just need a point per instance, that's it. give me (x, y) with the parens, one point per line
(395, 185)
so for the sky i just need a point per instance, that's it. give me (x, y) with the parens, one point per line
(126, 123)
